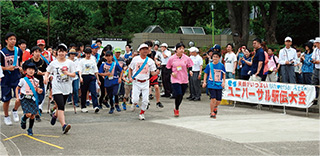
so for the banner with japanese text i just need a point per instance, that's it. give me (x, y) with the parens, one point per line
(269, 93)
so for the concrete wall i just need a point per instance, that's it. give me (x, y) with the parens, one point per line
(173, 39)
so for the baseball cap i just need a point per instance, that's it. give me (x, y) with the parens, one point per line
(317, 40)
(109, 53)
(41, 42)
(143, 45)
(193, 49)
(288, 39)
(94, 46)
(72, 51)
(164, 45)
(117, 50)
(63, 46)
(216, 46)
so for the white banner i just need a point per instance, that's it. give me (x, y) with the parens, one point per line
(269, 93)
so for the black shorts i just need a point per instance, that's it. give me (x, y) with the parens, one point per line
(154, 80)
(215, 94)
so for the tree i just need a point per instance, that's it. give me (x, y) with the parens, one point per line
(269, 12)
(239, 22)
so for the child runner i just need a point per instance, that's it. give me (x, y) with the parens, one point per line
(111, 70)
(29, 95)
(88, 73)
(11, 60)
(179, 64)
(217, 71)
(76, 82)
(62, 70)
(139, 73)
(127, 86)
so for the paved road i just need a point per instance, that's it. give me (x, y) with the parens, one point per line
(243, 130)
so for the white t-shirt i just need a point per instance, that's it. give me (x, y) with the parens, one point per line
(87, 67)
(197, 62)
(316, 56)
(25, 89)
(164, 61)
(61, 84)
(76, 63)
(1, 73)
(229, 59)
(137, 62)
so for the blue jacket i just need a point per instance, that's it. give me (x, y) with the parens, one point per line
(307, 66)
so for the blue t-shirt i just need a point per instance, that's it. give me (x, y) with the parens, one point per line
(245, 67)
(219, 70)
(11, 78)
(112, 80)
(127, 56)
(259, 56)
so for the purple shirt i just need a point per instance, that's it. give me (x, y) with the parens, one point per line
(179, 66)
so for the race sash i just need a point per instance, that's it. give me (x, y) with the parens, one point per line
(110, 70)
(98, 57)
(15, 56)
(212, 75)
(115, 59)
(45, 60)
(141, 68)
(35, 94)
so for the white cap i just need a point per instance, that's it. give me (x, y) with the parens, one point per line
(317, 40)
(143, 46)
(164, 45)
(194, 49)
(173, 49)
(288, 39)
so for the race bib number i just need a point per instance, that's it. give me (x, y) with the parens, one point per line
(217, 75)
(9, 60)
(179, 68)
(110, 77)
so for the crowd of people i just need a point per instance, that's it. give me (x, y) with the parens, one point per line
(82, 75)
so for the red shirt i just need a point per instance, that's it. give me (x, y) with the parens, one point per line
(26, 56)
(47, 55)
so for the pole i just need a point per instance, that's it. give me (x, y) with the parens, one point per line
(48, 29)
(212, 12)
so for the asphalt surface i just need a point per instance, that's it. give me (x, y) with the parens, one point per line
(243, 130)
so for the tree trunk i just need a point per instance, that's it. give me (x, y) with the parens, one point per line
(239, 22)
(270, 21)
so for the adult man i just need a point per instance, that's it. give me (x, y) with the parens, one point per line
(195, 74)
(22, 44)
(47, 55)
(139, 78)
(257, 61)
(316, 60)
(165, 73)
(11, 59)
(42, 68)
(287, 59)
(153, 78)
(230, 62)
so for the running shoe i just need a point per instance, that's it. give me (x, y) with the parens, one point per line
(213, 115)
(141, 117)
(96, 109)
(150, 96)
(106, 104)
(66, 128)
(53, 119)
(124, 106)
(159, 105)
(84, 110)
(7, 121)
(111, 111)
(30, 132)
(15, 116)
(176, 113)
(118, 108)
(23, 124)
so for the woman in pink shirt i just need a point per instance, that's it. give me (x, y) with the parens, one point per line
(179, 64)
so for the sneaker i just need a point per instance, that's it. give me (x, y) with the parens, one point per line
(100, 106)
(141, 117)
(150, 96)
(96, 109)
(148, 106)
(176, 113)
(215, 111)
(53, 119)
(52, 102)
(137, 105)
(159, 105)
(77, 105)
(15, 116)
(111, 111)
(84, 110)
(23, 124)
(7, 121)
(213, 115)
(133, 107)
(66, 128)
(124, 106)
(118, 108)
(38, 118)
(51, 111)
(106, 104)
(69, 103)
(88, 103)
(30, 132)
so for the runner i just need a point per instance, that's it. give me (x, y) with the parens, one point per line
(139, 73)
(103, 99)
(165, 73)
(42, 68)
(28, 95)
(110, 71)
(62, 70)
(216, 82)
(72, 55)
(120, 60)
(88, 73)
(179, 64)
(22, 44)
(11, 59)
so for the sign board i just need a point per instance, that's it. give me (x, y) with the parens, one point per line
(269, 93)
(114, 42)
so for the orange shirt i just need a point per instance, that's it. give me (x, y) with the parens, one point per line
(26, 56)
